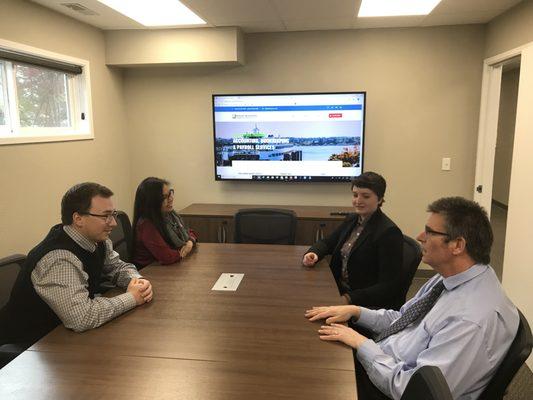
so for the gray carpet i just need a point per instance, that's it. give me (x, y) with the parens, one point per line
(521, 388)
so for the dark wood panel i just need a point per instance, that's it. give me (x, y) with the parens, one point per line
(228, 210)
(214, 222)
(211, 229)
(309, 231)
(99, 376)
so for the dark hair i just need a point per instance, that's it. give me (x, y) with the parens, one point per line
(467, 219)
(371, 180)
(78, 199)
(148, 201)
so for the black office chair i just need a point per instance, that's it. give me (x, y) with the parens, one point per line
(122, 239)
(427, 383)
(9, 269)
(265, 226)
(516, 356)
(412, 255)
(121, 236)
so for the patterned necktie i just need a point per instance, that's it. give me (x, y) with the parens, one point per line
(414, 312)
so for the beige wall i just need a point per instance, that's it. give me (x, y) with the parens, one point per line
(512, 29)
(504, 145)
(33, 177)
(174, 46)
(517, 272)
(423, 103)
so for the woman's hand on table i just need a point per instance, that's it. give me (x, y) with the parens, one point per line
(186, 249)
(310, 259)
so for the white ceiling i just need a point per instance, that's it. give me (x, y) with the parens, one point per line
(295, 15)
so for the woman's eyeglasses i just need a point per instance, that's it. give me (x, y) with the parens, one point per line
(169, 194)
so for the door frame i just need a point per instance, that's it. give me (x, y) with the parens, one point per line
(488, 123)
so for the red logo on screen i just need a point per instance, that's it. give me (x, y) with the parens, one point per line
(335, 115)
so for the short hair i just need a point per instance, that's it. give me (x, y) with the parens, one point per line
(467, 219)
(373, 181)
(78, 199)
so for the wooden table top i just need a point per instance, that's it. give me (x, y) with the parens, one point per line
(228, 210)
(194, 343)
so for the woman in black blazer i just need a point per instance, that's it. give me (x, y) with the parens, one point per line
(367, 250)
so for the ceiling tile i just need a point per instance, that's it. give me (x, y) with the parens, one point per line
(388, 22)
(223, 12)
(477, 17)
(318, 24)
(259, 26)
(460, 6)
(314, 9)
(107, 18)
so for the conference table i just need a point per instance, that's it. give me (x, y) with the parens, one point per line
(192, 342)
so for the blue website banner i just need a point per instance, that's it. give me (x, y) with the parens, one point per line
(291, 108)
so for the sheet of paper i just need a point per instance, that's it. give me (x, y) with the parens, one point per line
(228, 282)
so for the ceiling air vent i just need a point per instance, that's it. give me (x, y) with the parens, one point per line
(79, 8)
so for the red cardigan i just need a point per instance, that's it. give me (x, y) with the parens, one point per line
(150, 246)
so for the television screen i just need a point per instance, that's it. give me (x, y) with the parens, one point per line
(303, 137)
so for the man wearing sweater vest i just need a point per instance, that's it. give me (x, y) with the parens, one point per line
(460, 321)
(60, 280)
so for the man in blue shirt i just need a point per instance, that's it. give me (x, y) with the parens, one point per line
(460, 321)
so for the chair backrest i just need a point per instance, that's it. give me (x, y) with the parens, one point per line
(265, 226)
(427, 383)
(516, 356)
(9, 269)
(121, 237)
(412, 255)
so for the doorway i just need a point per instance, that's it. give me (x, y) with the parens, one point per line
(503, 103)
(503, 156)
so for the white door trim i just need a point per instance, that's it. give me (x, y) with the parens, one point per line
(488, 123)
(488, 131)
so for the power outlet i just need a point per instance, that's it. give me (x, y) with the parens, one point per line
(446, 164)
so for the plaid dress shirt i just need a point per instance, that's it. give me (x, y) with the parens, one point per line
(59, 279)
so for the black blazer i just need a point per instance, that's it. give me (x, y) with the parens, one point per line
(374, 264)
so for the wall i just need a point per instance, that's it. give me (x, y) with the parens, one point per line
(423, 104)
(504, 144)
(508, 31)
(33, 177)
(512, 29)
(174, 46)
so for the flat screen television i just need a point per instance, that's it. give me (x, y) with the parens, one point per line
(289, 137)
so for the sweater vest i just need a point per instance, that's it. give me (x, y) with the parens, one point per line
(26, 317)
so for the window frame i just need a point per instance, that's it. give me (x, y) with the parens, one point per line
(79, 101)
(5, 129)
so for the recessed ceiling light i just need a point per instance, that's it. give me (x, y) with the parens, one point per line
(392, 8)
(155, 12)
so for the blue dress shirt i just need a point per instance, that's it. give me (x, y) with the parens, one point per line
(466, 334)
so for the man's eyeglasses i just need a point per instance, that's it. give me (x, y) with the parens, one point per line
(108, 217)
(429, 231)
(169, 194)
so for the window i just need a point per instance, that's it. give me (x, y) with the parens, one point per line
(43, 96)
(3, 101)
